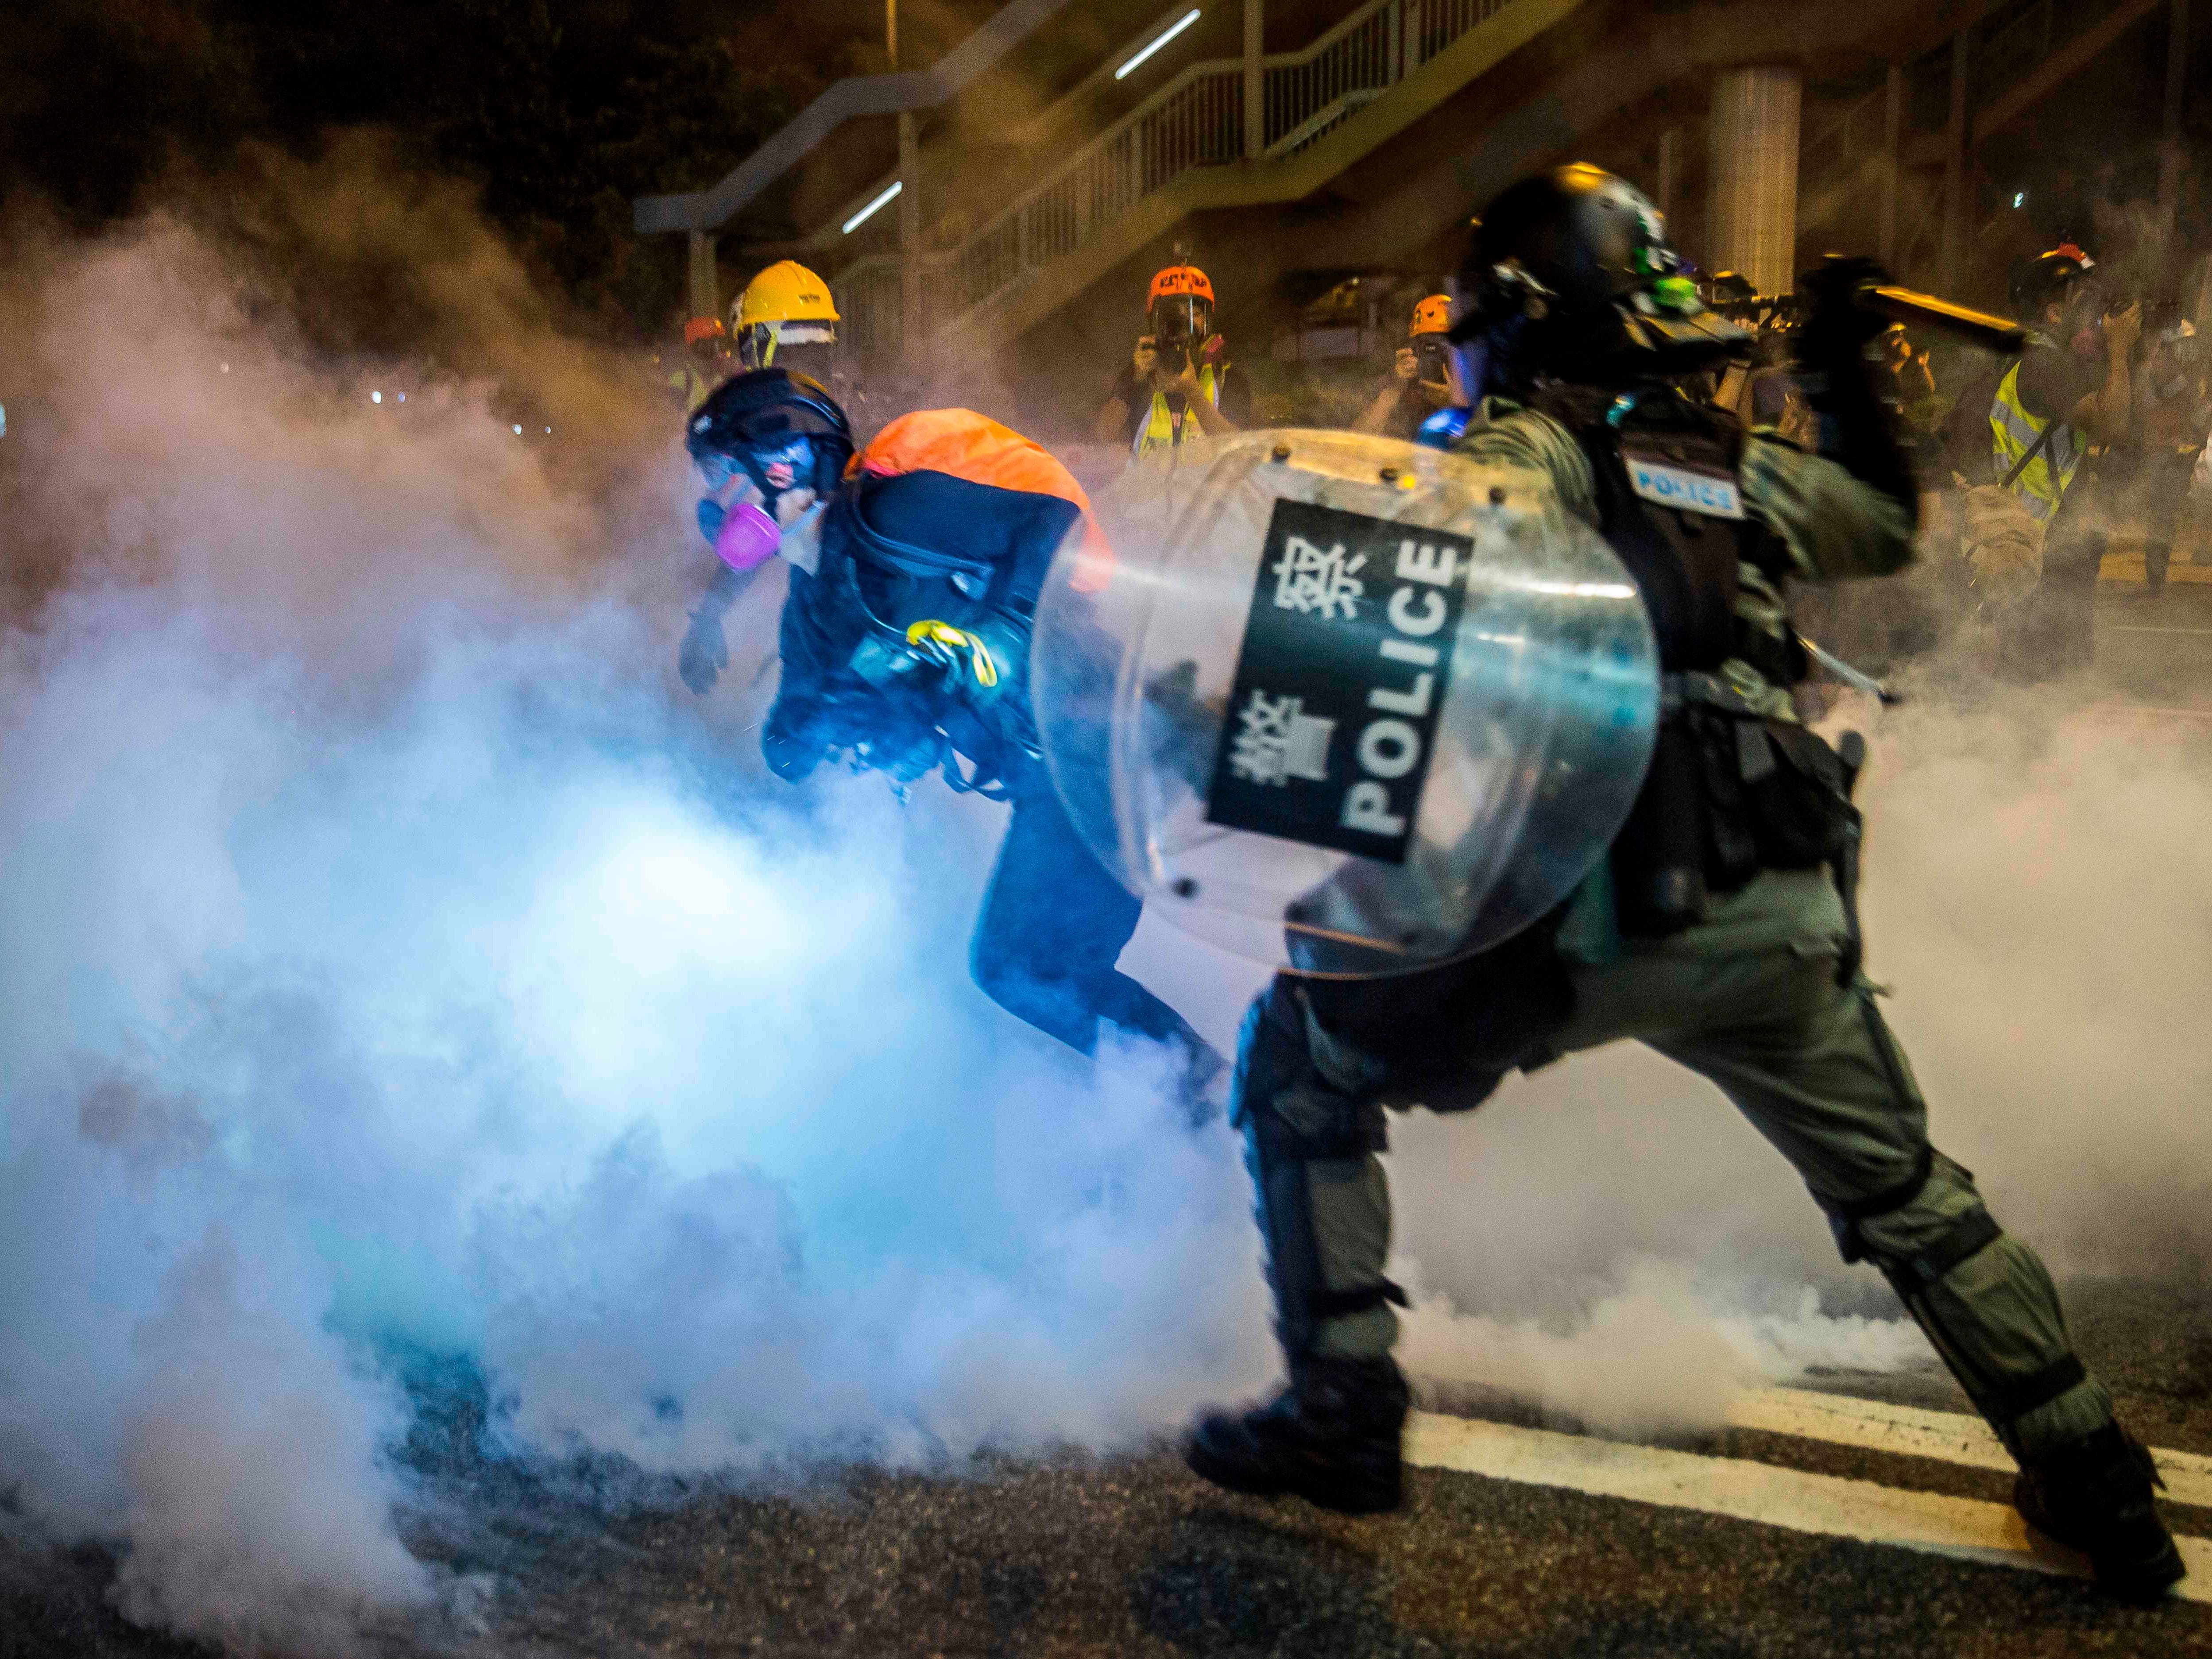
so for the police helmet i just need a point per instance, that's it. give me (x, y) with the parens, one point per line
(764, 411)
(1570, 274)
(2049, 278)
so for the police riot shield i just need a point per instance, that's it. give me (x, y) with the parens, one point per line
(1342, 704)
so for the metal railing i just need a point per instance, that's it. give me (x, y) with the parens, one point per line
(1196, 120)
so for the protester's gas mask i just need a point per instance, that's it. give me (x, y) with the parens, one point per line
(2083, 319)
(740, 514)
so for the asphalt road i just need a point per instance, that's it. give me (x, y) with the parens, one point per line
(1134, 1557)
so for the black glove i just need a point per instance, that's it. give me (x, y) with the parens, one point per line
(704, 654)
(1856, 428)
(790, 757)
(1840, 323)
(906, 754)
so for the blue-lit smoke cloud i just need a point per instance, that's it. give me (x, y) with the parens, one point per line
(394, 959)
(391, 962)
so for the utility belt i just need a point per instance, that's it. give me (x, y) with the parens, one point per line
(1731, 791)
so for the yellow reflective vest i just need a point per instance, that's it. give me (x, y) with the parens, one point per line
(1161, 429)
(693, 385)
(2042, 483)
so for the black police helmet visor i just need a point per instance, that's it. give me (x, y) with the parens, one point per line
(1576, 239)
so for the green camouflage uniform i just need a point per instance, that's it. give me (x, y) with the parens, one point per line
(1749, 998)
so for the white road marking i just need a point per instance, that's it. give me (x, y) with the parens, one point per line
(1949, 1437)
(1960, 1528)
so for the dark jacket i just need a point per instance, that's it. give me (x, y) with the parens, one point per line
(901, 547)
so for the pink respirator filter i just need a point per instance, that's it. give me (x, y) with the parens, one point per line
(748, 538)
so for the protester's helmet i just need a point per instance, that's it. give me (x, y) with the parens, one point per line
(1570, 275)
(2053, 277)
(702, 328)
(785, 305)
(761, 413)
(1431, 316)
(1179, 306)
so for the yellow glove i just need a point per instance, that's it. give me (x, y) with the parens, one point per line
(945, 643)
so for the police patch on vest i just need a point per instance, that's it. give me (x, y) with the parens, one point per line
(1685, 488)
(1344, 665)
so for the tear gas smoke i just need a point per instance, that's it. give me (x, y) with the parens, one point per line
(398, 967)
(396, 970)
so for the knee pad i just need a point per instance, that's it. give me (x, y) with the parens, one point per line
(1968, 1234)
(1280, 1097)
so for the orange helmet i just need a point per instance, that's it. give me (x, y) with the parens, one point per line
(1179, 280)
(702, 328)
(1432, 316)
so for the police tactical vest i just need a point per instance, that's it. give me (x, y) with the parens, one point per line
(1664, 471)
(1728, 791)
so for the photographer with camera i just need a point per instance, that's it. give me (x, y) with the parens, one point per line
(2069, 389)
(1419, 381)
(1179, 382)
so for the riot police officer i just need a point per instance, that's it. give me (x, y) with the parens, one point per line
(1721, 929)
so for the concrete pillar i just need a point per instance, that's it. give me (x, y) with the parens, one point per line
(911, 326)
(1256, 79)
(1893, 162)
(1753, 225)
(1958, 172)
(705, 285)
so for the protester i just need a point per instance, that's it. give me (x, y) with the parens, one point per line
(705, 366)
(914, 569)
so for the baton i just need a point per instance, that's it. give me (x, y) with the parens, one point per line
(1900, 305)
(1857, 678)
(1993, 333)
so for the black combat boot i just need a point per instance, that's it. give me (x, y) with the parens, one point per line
(1331, 1438)
(2094, 1496)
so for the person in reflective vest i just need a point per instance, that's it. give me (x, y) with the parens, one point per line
(2069, 389)
(1178, 383)
(914, 566)
(706, 363)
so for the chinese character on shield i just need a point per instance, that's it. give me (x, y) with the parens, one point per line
(1276, 741)
(1312, 580)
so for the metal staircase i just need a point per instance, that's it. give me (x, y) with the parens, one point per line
(1183, 149)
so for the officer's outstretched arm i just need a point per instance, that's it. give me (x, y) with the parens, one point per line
(1856, 430)
(1835, 525)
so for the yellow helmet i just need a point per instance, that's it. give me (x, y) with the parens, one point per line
(787, 292)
